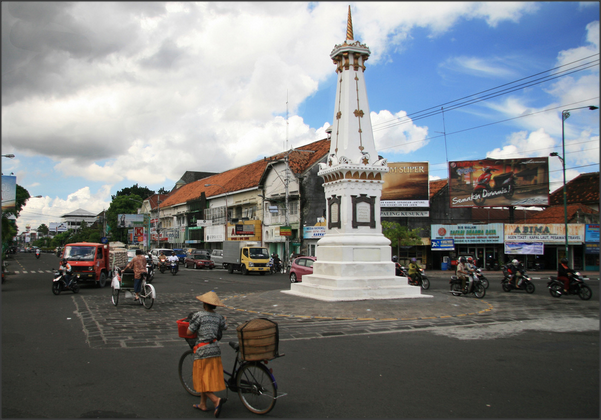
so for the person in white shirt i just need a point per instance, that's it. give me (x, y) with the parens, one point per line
(173, 258)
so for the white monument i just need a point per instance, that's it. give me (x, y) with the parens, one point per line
(353, 257)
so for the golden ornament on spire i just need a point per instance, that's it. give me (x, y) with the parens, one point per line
(349, 26)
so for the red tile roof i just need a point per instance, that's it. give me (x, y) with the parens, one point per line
(437, 185)
(582, 189)
(555, 214)
(247, 176)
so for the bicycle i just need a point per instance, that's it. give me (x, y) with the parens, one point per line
(147, 293)
(253, 381)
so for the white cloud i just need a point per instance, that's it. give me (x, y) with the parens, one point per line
(401, 138)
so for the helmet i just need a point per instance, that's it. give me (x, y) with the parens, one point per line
(564, 260)
(470, 259)
(173, 253)
(413, 259)
(515, 262)
(64, 260)
(462, 259)
(395, 258)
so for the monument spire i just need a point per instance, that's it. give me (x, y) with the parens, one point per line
(349, 26)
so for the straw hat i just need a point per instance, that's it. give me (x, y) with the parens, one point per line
(210, 298)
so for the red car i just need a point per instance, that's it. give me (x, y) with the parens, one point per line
(198, 260)
(300, 267)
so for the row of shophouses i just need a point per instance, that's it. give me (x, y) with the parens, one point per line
(280, 202)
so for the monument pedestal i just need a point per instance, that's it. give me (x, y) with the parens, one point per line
(356, 267)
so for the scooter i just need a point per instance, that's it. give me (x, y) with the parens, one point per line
(504, 184)
(577, 287)
(524, 283)
(481, 277)
(477, 289)
(37, 253)
(173, 267)
(59, 283)
(420, 279)
(149, 270)
(162, 267)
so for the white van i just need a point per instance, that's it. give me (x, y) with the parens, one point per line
(157, 251)
(217, 257)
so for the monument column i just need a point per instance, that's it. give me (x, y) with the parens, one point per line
(353, 257)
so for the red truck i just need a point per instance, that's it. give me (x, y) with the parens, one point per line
(92, 261)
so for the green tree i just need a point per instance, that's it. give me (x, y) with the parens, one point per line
(143, 192)
(121, 204)
(163, 191)
(43, 229)
(9, 228)
(401, 235)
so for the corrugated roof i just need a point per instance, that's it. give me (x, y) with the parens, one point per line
(247, 176)
(582, 189)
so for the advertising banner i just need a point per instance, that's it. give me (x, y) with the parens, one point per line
(499, 182)
(491, 233)
(406, 185)
(313, 232)
(404, 213)
(546, 233)
(592, 233)
(524, 248)
(9, 192)
(443, 245)
(57, 227)
(129, 220)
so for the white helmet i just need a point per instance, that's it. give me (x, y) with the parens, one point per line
(515, 262)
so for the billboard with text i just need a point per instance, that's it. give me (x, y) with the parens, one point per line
(499, 182)
(406, 185)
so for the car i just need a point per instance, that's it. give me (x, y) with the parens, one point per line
(157, 251)
(198, 259)
(301, 266)
(217, 257)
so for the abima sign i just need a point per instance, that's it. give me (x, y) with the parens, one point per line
(499, 182)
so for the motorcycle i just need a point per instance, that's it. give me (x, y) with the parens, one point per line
(173, 267)
(162, 266)
(420, 279)
(37, 253)
(524, 282)
(149, 270)
(492, 264)
(477, 288)
(577, 287)
(481, 277)
(59, 283)
(275, 267)
(504, 184)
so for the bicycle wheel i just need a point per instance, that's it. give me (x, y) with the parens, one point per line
(146, 296)
(257, 388)
(115, 296)
(186, 362)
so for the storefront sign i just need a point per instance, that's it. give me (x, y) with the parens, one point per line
(214, 233)
(285, 231)
(546, 233)
(491, 233)
(313, 232)
(524, 248)
(400, 213)
(443, 245)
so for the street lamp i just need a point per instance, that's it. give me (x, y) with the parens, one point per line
(565, 114)
(225, 193)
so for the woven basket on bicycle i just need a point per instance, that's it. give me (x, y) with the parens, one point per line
(259, 340)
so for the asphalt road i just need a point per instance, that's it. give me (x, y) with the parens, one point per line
(510, 355)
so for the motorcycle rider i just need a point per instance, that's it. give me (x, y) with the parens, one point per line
(564, 273)
(462, 272)
(67, 271)
(173, 258)
(515, 273)
(37, 252)
(471, 268)
(397, 266)
(413, 271)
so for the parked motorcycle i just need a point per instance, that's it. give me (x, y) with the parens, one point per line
(577, 287)
(492, 264)
(524, 282)
(173, 266)
(59, 283)
(477, 288)
(503, 184)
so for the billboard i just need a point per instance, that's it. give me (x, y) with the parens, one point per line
(406, 185)
(57, 227)
(499, 182)
(491, 233)
(9, 192)
(128, 220)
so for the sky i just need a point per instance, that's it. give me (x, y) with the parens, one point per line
(99, 96)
